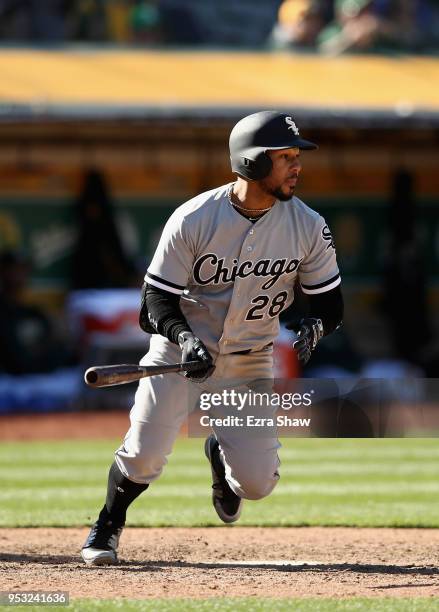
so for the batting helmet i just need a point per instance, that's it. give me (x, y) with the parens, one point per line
(256, 134)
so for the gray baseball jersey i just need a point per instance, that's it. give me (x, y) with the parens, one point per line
(235, 277)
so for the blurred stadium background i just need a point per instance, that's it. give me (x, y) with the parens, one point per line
(113, 112)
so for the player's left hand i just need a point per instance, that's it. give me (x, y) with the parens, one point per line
(194, 350)
(309, 331)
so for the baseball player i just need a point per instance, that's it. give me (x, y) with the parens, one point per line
(224, 269)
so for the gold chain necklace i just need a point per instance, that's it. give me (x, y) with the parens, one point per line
(250, 210)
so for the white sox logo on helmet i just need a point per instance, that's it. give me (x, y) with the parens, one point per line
(292, 125)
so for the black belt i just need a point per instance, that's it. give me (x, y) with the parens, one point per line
(247, 351)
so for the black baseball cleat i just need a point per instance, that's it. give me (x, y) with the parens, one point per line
(100, 548)
(227, 504)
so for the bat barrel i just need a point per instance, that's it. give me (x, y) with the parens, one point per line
(91, 376)
(108, 376)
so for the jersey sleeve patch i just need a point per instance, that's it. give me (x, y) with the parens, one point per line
(318, 271)
(322, 287)
(327, 237)
(161, 283)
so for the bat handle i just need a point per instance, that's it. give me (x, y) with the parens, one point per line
(191, 366)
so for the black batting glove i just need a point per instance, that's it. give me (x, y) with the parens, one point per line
(192, 349)
(309, 332)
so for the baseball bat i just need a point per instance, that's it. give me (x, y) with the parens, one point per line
(111, 375)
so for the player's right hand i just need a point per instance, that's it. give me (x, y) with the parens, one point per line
(192, 349)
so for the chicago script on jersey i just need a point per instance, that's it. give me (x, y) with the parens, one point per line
(210, 269)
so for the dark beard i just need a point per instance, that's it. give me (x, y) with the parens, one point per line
(280, 195)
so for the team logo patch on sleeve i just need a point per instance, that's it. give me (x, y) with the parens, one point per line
(327, 236)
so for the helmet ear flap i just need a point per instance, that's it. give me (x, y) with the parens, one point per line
(265, 165)
(257, 168)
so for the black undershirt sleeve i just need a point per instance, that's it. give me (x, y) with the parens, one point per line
(160, 313)
(328, 307)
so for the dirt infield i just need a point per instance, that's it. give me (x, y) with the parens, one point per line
(229, 561)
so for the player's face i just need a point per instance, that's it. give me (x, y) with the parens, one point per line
(282, 180)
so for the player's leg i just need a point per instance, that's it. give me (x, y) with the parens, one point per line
(100, 548)
(244, 460)
(227, 504)
(160, 407)
(242, 467)
(251, 464)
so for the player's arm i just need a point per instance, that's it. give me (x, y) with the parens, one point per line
(160, 310)
(165, 280)
(320, 281)
(160, 313)
(329, 308)
(325, 316)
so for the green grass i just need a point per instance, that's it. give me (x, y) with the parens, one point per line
(362, 482)
(415, 604)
